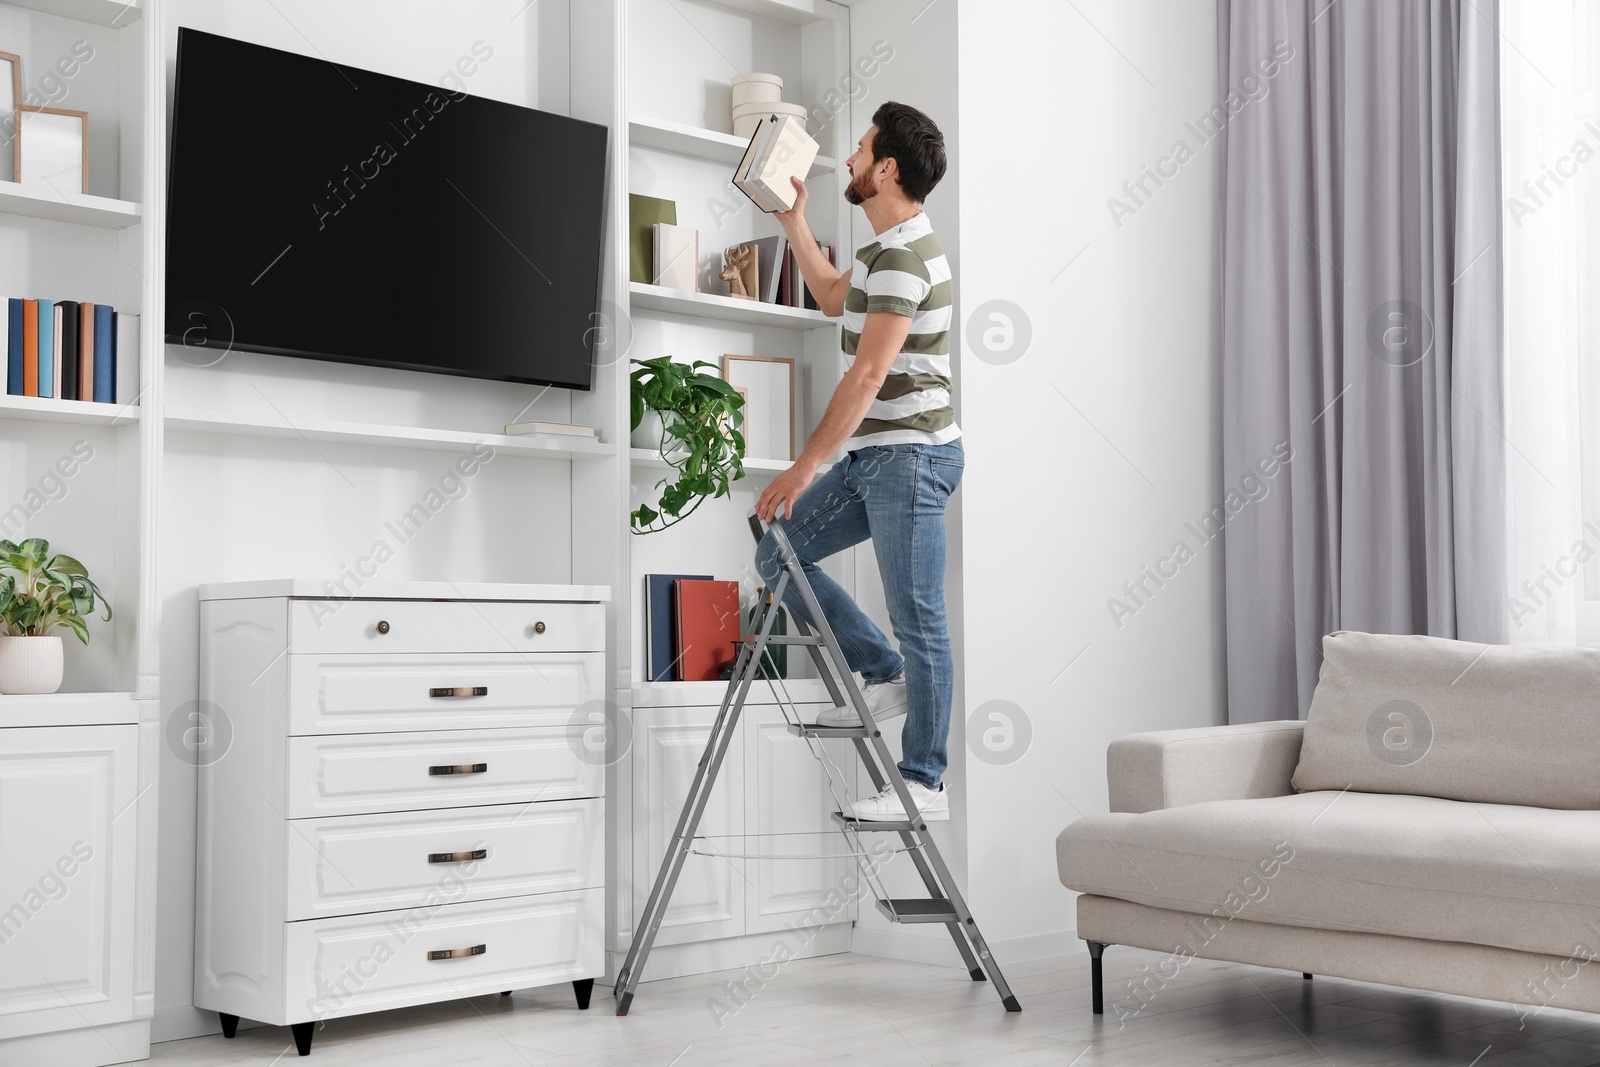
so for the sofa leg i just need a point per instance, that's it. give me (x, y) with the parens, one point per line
(1097, 990)
(1305, 975)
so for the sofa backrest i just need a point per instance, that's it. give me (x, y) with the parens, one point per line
(1503, 724)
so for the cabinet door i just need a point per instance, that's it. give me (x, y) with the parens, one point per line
(67, 837)
(788, 797)
(709, 899)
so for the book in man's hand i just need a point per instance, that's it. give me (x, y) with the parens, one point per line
(780, 149)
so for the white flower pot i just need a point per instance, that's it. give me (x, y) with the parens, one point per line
(30, 665)
(648, 435)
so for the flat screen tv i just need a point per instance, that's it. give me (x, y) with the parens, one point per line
(324, 211)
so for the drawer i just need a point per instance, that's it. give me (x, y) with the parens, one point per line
(365, 863)
(347, 966)
(335, 694)
(445, 626)
(357, 774)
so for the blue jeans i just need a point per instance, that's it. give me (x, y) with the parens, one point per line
(895, 495)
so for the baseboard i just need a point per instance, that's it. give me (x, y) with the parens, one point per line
(180, 1024)
(95, 1047)
(941, 951)
(731, 953)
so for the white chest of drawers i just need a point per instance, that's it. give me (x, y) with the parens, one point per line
(400, 804)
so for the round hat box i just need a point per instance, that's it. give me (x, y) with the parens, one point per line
(757, 89)
(747, 117)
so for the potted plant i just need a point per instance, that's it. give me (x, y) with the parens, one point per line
(699, 419)
(40, 594)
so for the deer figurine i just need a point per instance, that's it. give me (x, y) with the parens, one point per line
(738, 266)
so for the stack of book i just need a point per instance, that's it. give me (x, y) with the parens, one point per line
(563, 429)
(780, 279)
(779, 150)
(69, 350)
(693, 626)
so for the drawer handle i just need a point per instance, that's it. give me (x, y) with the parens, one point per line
(459, 768)
(459, 691)
(457, 953)
(458, 857)
(539, 627)
(383, 626)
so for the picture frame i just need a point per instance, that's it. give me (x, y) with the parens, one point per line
(767, 383)
(10, 100)
(52, 147)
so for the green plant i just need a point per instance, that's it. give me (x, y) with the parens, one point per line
(42, 593)
(700, 438)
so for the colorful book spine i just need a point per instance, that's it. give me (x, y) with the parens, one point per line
(85, 351)
(47, 347)
(55, 351)
(68, 385)
(14, 346)
(30, 348)
(105, 385)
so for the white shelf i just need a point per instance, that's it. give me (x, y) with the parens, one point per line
(726, 308)
(47, 409)
(42, 202)
(794, 12)
(709, 145)
(649, 457)
(254, 424)
(69, 709)
(113, 13)
(710, 694)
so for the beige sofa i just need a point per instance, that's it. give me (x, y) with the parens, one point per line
(1434, 823)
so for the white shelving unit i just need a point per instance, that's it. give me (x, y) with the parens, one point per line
(48, 409)
(725, 148)
(113, 13)
(40, 202)
(643, 68)
(647, 297)
(648, 457)
(253, 424)
(79, 768)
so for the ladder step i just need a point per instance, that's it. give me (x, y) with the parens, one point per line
(854, 823)
(782, 639)
(919, 910)
(813, 730)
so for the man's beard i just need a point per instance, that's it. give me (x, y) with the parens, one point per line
(858, 193)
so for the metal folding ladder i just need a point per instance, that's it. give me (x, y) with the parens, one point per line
(943, 903)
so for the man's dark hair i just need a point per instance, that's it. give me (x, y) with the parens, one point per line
(915, 144)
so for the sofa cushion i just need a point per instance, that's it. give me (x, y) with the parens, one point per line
(1503, 724)
(1500, 875)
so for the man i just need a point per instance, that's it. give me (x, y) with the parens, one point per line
(903, 455)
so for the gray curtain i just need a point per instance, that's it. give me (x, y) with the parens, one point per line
(1361, 329)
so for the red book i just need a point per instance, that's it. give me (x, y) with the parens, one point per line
(708, 627)
(30, 348)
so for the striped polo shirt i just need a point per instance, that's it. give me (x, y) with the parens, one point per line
(905, 272)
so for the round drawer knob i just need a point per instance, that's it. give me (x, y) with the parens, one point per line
(383, 626)
(538, 627)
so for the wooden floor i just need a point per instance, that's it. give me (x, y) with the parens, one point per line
(885, 1013)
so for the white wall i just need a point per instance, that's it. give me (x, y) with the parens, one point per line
(237, 507)
(1086, 455)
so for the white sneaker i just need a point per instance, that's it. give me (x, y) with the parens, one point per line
(884, 699)
(932, 804)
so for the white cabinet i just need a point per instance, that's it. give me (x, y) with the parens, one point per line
(407, 812)
(771, 802)
(68, 840)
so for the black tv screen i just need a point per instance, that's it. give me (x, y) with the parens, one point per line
(324, 211)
